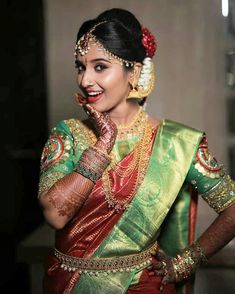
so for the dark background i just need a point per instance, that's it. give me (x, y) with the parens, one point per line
(24, 121)
(23, 132)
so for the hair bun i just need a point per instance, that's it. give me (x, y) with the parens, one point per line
(149, 43)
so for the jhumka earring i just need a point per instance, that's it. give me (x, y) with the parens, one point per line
(134, 90)
(146, 81)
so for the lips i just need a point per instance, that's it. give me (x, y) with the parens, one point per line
(92, 99)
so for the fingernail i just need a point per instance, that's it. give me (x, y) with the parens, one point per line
(79, 98)
(161, 287)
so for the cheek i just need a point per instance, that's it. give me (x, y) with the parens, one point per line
(115, 80)
(79, 78)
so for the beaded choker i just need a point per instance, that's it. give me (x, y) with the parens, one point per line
(134, 128)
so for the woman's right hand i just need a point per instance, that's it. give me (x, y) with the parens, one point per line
(106, 127)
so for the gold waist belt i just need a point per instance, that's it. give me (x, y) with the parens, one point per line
(106, 265)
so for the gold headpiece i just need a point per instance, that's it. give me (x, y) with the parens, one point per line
(83, 46)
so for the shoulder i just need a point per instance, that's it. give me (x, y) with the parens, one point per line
(181, 130)
(79, 131)
(171, 126)
(70, 126)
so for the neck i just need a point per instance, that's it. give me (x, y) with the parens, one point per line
(125, 113)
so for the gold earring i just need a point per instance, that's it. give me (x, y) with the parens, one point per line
(134, 93)
(146, 81)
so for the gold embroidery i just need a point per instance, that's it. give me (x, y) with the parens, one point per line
(47, 180)
(56, 150)
(205, 163)
(222, 195)
(83, 137)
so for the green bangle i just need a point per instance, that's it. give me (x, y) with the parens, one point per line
(92, 164)
(87, 173)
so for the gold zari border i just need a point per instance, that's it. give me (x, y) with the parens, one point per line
(222, 195)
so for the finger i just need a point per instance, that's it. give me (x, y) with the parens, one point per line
(92, 111)
(79, 98)
(161, 255)
(166, 280)
(159, 272)
(151, 273)
(157, 265)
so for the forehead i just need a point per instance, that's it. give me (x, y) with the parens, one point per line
(95, 52)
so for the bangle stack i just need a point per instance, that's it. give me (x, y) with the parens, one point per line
(92, 163)
(186, 263)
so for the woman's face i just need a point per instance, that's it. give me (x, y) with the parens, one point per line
(103, 80)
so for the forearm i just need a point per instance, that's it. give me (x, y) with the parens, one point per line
(62, 201)
(219, 233)
(67, 195)
(64, 198)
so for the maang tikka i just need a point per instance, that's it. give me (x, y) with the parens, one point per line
(83, 46)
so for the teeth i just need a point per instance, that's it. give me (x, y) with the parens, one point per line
(94, 93)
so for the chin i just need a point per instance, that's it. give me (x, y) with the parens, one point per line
(101, 108)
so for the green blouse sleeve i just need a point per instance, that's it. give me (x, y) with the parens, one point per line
(57, 156)
(210, 179)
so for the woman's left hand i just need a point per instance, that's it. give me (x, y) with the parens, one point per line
(163, 267)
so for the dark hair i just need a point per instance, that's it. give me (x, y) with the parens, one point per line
(120, 33)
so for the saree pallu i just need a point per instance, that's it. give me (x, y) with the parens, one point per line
(99, 232)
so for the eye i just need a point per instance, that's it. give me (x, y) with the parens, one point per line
(100, 67)
(79, 67)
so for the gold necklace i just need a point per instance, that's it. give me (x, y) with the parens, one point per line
(136, 128)
(128, 126)
(141, 163)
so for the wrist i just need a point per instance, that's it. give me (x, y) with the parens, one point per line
(92, 163)
(101, 145)
(188, 261)
(105, 144)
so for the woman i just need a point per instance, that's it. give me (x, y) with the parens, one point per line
(121, 185)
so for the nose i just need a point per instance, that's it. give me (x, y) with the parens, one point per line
(85, 80)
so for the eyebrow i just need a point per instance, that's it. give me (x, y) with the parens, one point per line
(93, 61)
(100, 59)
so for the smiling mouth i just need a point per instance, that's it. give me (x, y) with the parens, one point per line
(94, 97)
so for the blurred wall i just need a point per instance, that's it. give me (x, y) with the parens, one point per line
(189, 60)
(189, 63)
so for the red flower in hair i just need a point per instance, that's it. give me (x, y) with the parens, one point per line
(148, 41)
